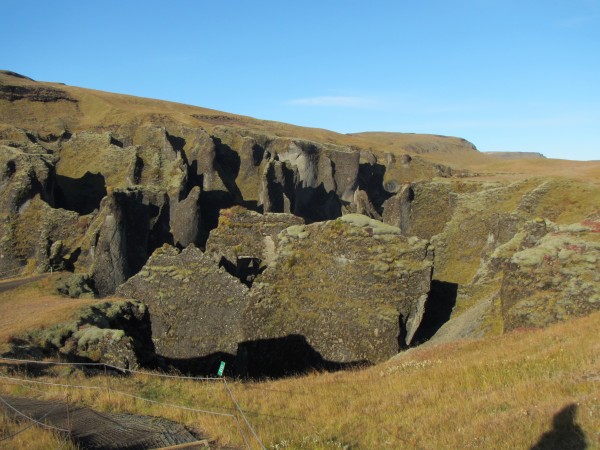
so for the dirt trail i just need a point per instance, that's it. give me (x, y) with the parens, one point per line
(95, 430)
(12, 284)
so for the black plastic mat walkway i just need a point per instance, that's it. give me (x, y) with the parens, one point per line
(94, 430)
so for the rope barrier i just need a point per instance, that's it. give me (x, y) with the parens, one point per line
(28, 387)
(47, 383)
(163, 375)
(99, 414)
(34, 420)
(171, 405)
(53, 363)
(236, 404)
(237, 420)
(122, 369)
(127, 394)
(116, 423)
(6, 438)
(243, 415)
(248, 413)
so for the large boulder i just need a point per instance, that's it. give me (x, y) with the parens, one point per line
(245, 241)
(334, 293)
(353, 288)
(553, 277)
(196, 308)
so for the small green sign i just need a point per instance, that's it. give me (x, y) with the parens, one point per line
(221, 369)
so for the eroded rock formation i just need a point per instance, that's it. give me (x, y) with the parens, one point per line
(196, 307)
(552, 276)
(338, 292)
(116, 333)
(245, 242)
(354, 287)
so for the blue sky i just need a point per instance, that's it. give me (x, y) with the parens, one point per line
(507, 75)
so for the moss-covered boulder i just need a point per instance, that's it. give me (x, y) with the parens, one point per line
(245, 241)
(196, 308)
(554, 278)
(354, 288)
(75, 285)
(116, 333)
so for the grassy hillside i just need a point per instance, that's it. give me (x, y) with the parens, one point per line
(33, 307)
(505, 392)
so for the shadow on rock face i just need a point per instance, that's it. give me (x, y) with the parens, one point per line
(438, 308)
(201, 366)
(245, 268)
(211, 204)
(565, 433)
(371, 180)
(315, 204)
(227, 164)
(264, 358)
(282, 357)
(82, 195)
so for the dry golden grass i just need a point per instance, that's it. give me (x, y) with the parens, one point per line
(30, 307)
(494, 393)
(517, 169)
(499, 393)
(30, 438)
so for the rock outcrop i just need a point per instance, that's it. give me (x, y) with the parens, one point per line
(23, 175)
(245, 242)
(134, 223)
(308, 179)
(354, 288)
(116, 333)
(28, 223)
(186, 219)
(115, 193)
(553, 277)
(90, 184)
(334, 293)
(364, 206)
(396, 210)
(42, 94)
(196, 308)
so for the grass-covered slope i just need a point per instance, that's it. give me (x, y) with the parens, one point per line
(524, 388)
(33, 307)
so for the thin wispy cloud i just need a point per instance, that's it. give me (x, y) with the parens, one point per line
(336, 100)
